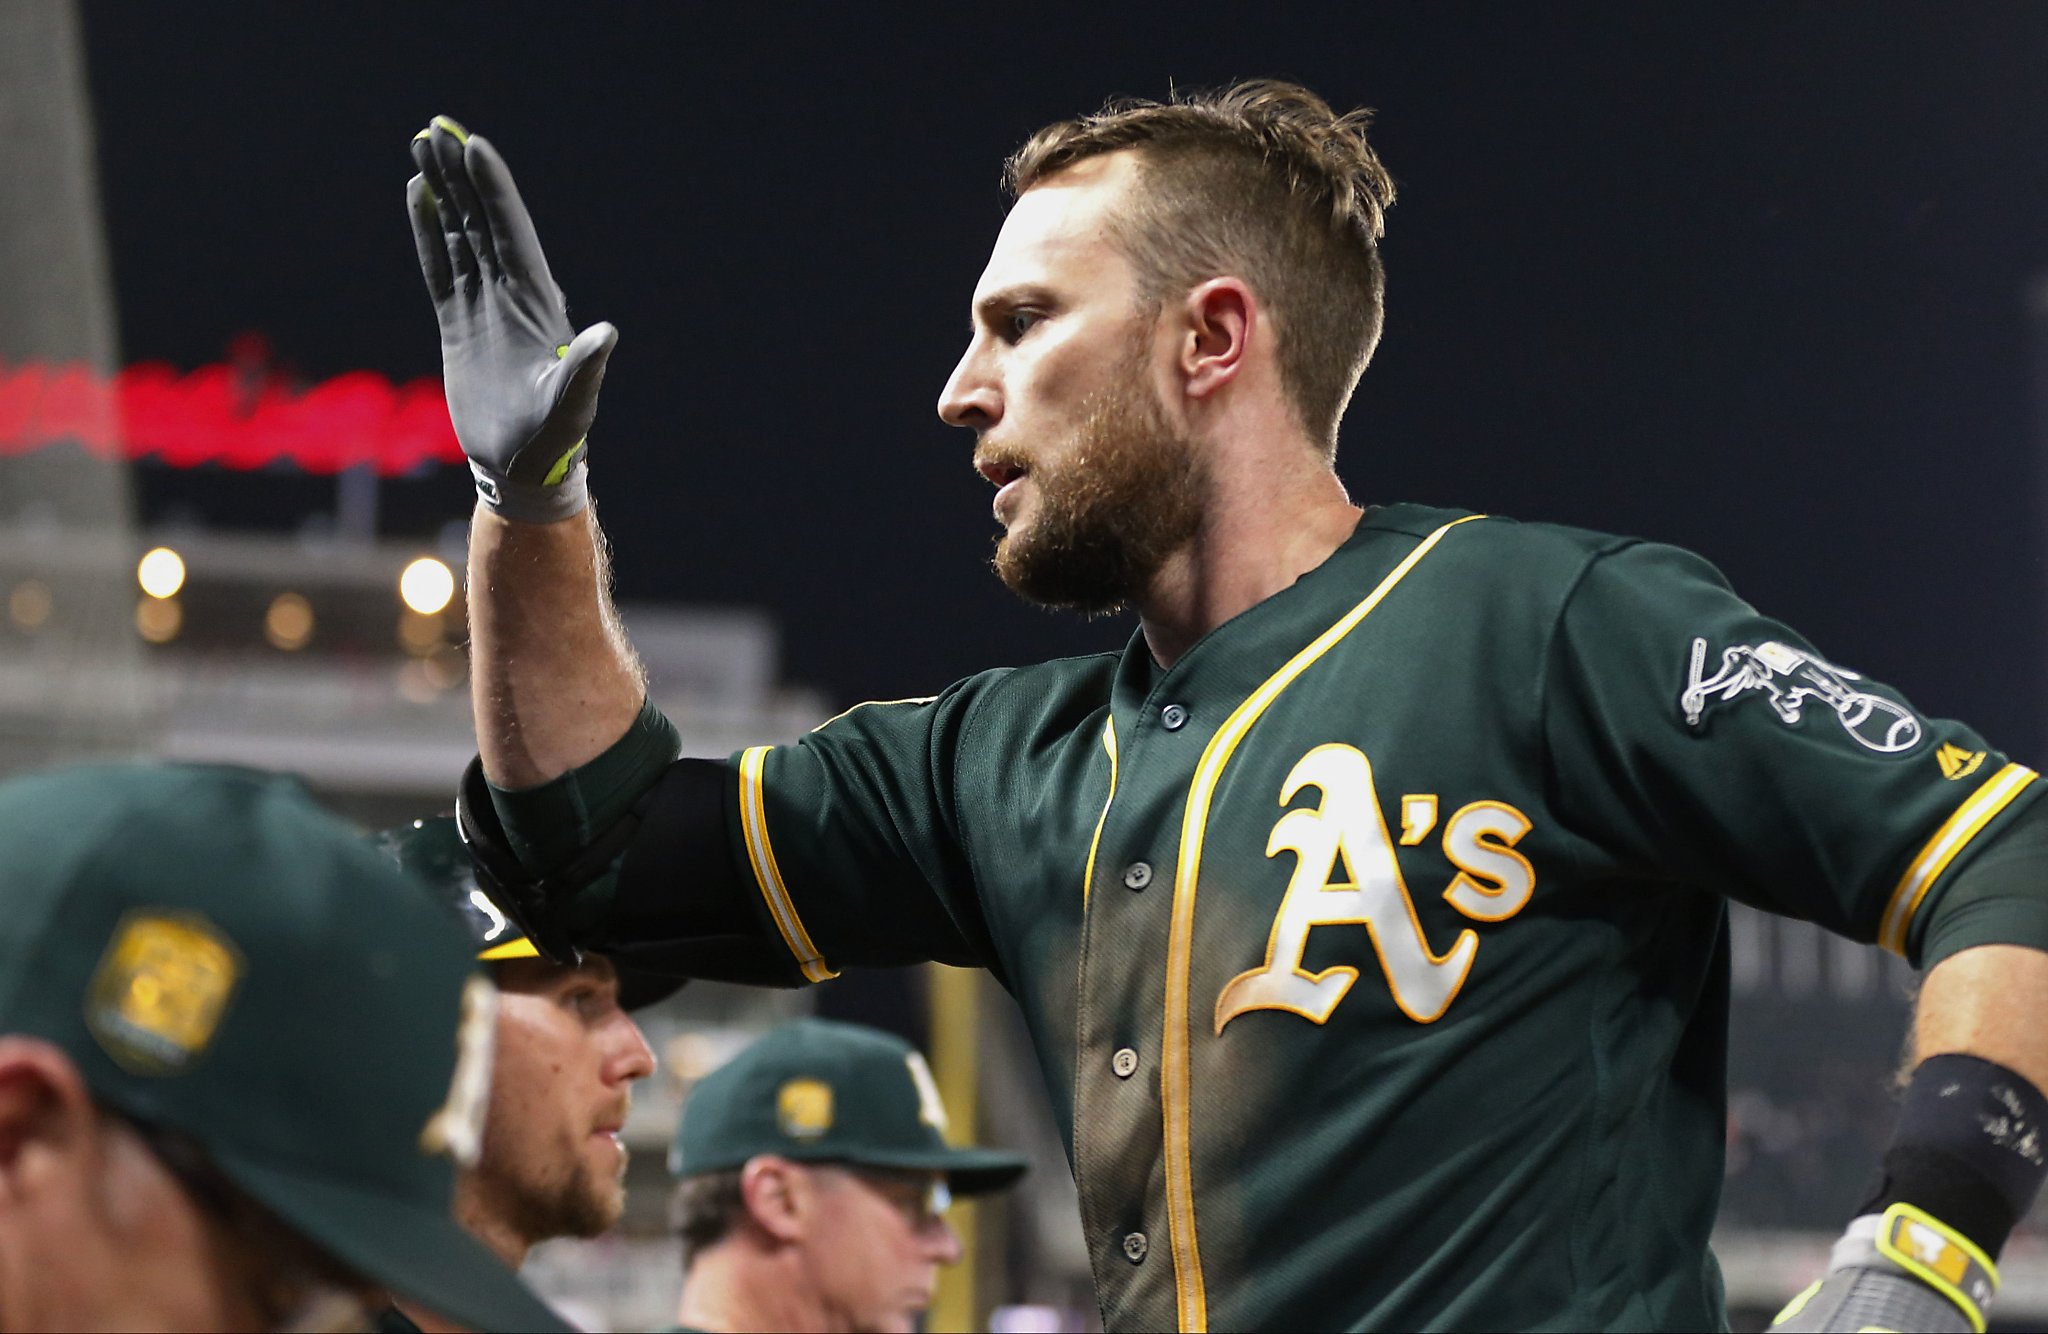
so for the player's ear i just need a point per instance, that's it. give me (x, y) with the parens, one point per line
(43, 1101)
(1220, 316)
(773, 1189)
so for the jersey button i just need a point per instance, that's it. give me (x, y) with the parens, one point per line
(1137, 875)
(1173, 717)
(1125, 1062)
(1135, 1247)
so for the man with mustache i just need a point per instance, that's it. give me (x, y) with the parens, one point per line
(1368, 911)
(568, 1052)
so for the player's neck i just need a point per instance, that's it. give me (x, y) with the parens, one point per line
(481, 1212)
(1266, 526)
(732, 1287)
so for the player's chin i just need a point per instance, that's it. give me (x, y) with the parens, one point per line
(905, 1321)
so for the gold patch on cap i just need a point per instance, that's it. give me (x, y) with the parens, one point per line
(161, 988)
(804, 1108)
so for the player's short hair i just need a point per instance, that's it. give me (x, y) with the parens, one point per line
(705, 1210)
(1261, 180)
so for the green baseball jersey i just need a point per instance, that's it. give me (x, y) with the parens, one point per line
(1374, 952)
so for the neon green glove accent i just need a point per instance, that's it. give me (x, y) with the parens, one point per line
(522, 383)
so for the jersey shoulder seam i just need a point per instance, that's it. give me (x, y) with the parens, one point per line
(1547, 653)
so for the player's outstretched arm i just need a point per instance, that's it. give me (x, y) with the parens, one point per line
(555, 682)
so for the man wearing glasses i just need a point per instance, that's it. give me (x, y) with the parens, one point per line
(815, 1177)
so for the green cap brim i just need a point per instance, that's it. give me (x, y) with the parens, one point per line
(968, 1171)
(422, 1256)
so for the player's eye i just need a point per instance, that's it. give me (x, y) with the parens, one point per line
(1019, 322)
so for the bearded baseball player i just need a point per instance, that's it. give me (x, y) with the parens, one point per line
(568, 1053)
(1368, 910)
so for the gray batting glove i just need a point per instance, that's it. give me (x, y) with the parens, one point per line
(1902, 1270)
(522, 384)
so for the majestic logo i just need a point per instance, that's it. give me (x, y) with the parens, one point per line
(1789, 679)
(803, 1108)
(160, 991)
(1957, 762)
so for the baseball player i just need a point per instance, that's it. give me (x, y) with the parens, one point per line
(240, 1059)
(814, 1182)
(1368, 910)
(568, 1053)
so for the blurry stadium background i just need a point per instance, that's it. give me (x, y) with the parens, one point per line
(1761, 280)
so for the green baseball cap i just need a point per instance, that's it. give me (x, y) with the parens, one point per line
(820, 1091)
(432, 850)
(222, 958)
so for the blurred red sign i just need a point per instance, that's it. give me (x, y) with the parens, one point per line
(228, 415)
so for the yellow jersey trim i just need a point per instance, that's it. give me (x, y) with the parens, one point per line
(868, 703)
(1190, 1289)
(1108, 744)
(1954, 835)
(761, 853)
(521, 948)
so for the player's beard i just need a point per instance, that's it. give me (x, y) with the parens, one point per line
(1121, 499)
(540, 1198)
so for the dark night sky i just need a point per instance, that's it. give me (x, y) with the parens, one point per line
(1747, 278)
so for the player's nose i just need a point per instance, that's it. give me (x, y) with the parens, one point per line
(970, 398)
(632, 1058)
(942, 1243)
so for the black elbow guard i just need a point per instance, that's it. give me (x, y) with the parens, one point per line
(538, 905)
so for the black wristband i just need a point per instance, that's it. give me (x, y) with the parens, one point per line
(1969, 1148)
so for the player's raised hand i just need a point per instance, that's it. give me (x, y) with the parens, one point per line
(521, 382)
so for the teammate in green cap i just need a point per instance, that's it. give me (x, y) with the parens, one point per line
(240, 1060)
(1368, 911)
(814, 1182)
(568, 1052)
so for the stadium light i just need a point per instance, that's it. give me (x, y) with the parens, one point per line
(29, 604)
(161, 572)
(158, 619)
(288, 625)
(427, 586)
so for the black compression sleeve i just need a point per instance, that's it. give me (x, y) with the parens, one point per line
(1969, 1148)
(683, 905)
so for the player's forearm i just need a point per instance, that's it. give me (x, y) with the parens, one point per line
(553, 677)
(1965, 1161)
(1987, 1002)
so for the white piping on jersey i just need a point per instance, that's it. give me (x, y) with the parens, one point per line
(1954, 835)
(760, 852)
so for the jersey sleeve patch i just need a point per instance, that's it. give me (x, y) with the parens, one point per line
(1791, 680)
